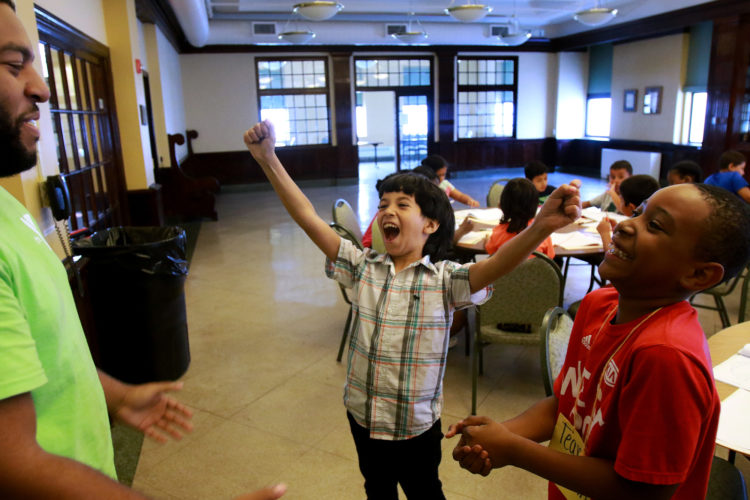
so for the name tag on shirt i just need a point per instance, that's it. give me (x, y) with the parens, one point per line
(566, 439)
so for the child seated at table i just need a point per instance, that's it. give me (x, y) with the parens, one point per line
(518, 202)
(635, 410)
(634, 191)
(609, 200)
(685, 171)
(536, 172)
(402, 303)
(440, 166)
(731, 175)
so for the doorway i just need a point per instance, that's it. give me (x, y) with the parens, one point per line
(392, 129)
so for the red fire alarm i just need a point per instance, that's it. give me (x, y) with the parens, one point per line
(138, 68)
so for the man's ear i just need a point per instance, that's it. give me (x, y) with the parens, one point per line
(430, 226)
(704, 276)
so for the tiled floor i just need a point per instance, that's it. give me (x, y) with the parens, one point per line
(265, 325)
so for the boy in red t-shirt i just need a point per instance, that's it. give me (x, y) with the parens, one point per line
(635, 410)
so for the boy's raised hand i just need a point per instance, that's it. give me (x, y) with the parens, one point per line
(261, 141)
(562, 207)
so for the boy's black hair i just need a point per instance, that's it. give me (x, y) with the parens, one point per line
(688, 168)
(433, 203)
(726, 232)
(435, 162)
(518, 202)
(426, 171)
(380, 182)
(730, 157)
(622, 164)
(9, 3)
(637, 188)
(534, 168)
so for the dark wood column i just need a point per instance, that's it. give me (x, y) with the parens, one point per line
(342, 85)
(730, 61)
(446, 69)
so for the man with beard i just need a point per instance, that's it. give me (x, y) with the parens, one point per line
(54, 432)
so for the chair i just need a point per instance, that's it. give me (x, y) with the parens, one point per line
(377, 238)
(345, 216)
(186, 197)
(556, 328)
(722, 290)
(345, 233)
(725, 482)
(493, 195)
(521, 297)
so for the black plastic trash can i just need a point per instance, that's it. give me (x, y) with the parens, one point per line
(136, 284)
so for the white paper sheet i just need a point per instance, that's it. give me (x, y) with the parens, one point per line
(734, 371)
(474, 237)
(576, 240)
(484, 218)
(734, 433)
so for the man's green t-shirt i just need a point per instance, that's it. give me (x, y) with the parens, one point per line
(42, 346)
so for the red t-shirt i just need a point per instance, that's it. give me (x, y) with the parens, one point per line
(500, 236)
(659, 411)
(367, 237)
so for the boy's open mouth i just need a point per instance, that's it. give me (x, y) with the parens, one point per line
(390, 231)
(614, 250)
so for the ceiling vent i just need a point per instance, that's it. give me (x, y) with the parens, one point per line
(498, 30)
(395, 29)
(264, 29)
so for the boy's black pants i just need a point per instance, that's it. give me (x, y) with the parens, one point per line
(413, 463)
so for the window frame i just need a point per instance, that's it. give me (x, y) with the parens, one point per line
(96, 180)
(486, 88)
(324, 90)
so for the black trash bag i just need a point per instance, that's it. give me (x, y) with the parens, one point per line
(155, 250)
(136, 284)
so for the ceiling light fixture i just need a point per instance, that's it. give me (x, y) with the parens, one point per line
(595, 16)
(469, 12)
(317, 11)
(294, 33)
(515, 35)
(297, 37)
(411, 36)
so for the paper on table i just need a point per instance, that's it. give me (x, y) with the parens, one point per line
(595, 214)
(734, 371)
(473, 237)
(486, 218)
(733, 432)
(576, 240)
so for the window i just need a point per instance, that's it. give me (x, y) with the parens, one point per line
(695, 114)
(293, 94)
(392, 72)
(361, 115)
(486, 100)
(598, 116)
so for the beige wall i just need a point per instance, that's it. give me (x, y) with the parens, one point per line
(86, 15)
(649, 63)
(165, 79)
(125, 48)
(536, 95)
(220, 102)
(572, 77)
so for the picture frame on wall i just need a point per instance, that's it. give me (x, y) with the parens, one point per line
(652, 101)
(630, 101)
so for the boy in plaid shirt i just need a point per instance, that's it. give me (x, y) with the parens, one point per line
(403, 303)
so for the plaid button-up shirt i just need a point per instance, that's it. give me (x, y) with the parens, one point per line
(398, 338)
